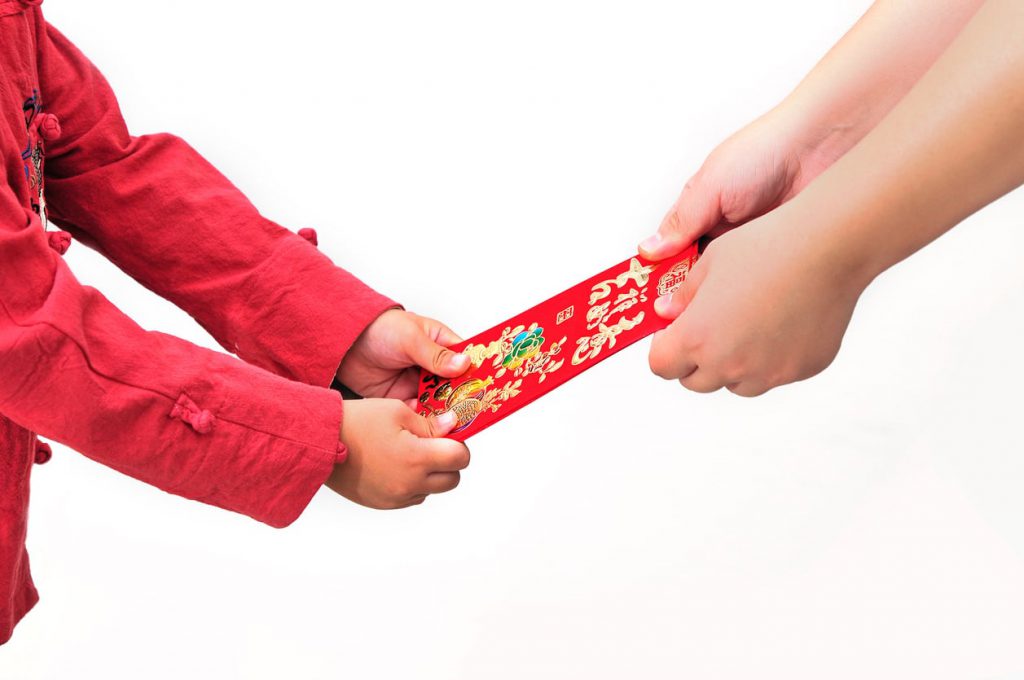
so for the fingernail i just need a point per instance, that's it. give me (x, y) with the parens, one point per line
(651, 242)
(447, 420)
(458, 362)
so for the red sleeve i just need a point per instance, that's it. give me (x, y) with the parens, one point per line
(189, 420)
(169, 219)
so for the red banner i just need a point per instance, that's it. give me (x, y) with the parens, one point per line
(532, 353)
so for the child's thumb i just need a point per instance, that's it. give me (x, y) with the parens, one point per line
(434, 426)
(436, 358)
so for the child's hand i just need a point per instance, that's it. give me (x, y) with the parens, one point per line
(748, 175)
(396, 457)
(385, 360)
(766, 305)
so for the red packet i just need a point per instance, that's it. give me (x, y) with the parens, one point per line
(534, 352)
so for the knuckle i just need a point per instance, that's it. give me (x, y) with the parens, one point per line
(782, 376)
(386, 502)
(820, 363)
(462, 458)
(398, 490)
(659, 365)
(419, 457)
(734, 370)
(748, 390)
(694, 340)
(696, 179)
(427, 428)
(440, 354)
(704, 381)
(702, 387)
(395, 409)
(673, 222)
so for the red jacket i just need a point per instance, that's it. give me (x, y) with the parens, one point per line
(258, 437)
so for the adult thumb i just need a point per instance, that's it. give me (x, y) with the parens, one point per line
(695, 212)
(672, 305)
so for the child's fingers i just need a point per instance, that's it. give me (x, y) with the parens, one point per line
(448, 455)
(415, 500)
(441, 455)
(441, 482)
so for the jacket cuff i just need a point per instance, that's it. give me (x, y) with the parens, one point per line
(269, 443)
(302, 314)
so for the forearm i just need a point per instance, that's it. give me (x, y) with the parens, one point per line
(954, 144)
(167, 217)
(186, 419)
(871, 69)
(171, 221)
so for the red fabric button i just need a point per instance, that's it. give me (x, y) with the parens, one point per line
(309, 235)
(342, 454)
(43, 452)
(48, 126)
(60, 241)
(185, 409)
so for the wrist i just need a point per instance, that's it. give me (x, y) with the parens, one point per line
(819, 134)
(837, 256)
(367, 336)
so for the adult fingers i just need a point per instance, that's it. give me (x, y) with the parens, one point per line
(672, 305)
(748, 388)
(673, 352)
(669, 357)
(702, 380)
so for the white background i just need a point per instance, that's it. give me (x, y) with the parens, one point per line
(868, 523)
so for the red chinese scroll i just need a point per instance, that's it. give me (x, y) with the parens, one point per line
(532, 353)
